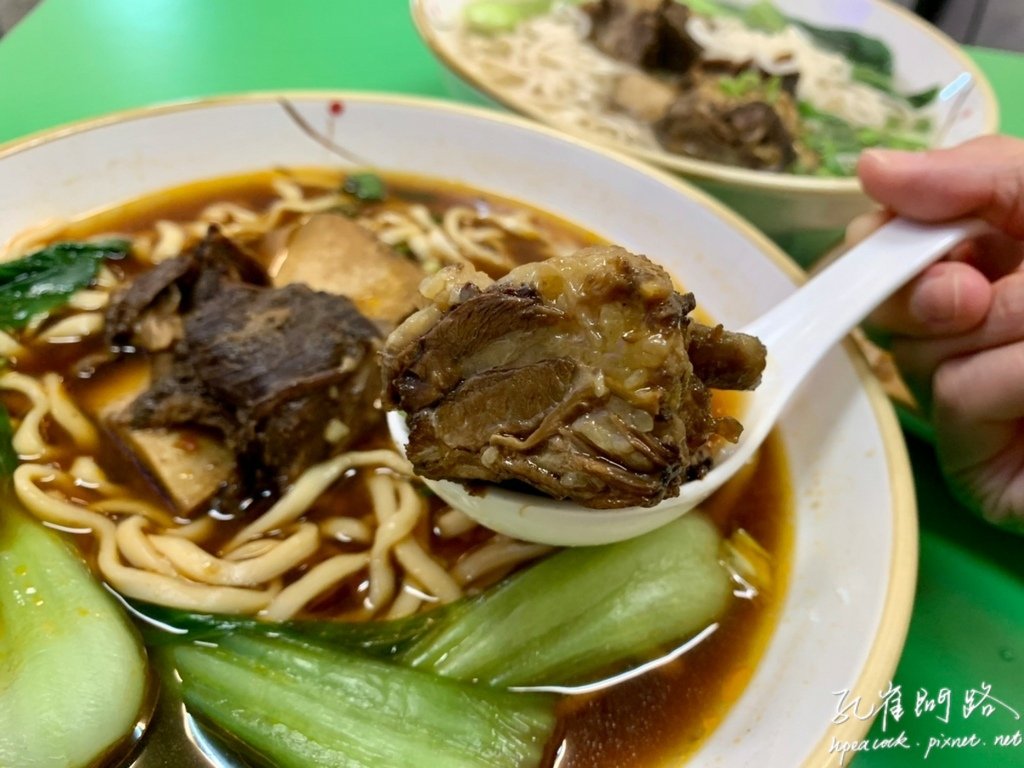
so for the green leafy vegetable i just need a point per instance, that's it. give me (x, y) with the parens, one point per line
(857, 47)
(46, 279)
(584, 611)
(922, 98)
(749, 82)
(366, 186)
(566, 620)
(73, 675)
(491, 16)
(870, 76)
(838, 144)
(304, 705)
(8, 457)
(740, 85)
(712, 8)
(922, 125)
(164, 626)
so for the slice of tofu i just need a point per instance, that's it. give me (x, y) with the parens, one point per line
(334, 254)
(187, 466)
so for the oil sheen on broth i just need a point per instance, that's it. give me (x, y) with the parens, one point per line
(660, 716)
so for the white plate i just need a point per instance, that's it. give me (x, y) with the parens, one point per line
(845, 616)
(777, 203)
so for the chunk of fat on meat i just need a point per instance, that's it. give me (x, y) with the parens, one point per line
(335, 254)
(186, 466)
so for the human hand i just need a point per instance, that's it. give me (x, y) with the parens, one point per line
(957, 330)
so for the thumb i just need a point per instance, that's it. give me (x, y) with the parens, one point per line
(983, 177)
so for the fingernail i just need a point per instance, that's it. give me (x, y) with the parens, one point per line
(936, 299)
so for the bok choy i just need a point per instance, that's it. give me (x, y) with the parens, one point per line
(73, 675)
(302, 705)
(46, 279)
(170, 626)
(569, 619)
(389, 693)
(584, 612)
(490, 16)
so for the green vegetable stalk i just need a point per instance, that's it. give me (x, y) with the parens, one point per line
(73, 675)
(365, 186)
(492, 16)
(302, 705)
(585, 612)
(163, 626)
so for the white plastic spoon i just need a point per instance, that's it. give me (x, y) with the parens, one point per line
(797, 333)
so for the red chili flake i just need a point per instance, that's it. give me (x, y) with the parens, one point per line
(186, 443)
(336, 108)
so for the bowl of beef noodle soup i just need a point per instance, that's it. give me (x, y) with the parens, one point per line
(212, 551)
(767, 104)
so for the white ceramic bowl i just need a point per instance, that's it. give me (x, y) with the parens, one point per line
(777, 203)
(844, 618)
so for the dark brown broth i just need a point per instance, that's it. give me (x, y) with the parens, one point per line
(662, 715)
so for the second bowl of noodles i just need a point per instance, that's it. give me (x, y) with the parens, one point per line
(765, 105)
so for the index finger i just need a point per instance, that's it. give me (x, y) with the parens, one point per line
(983, 177)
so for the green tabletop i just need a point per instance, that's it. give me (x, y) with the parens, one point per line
(72, 59)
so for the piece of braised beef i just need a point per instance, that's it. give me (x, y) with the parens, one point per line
(571, 375)
(146, 314)
(684, 99)
(644, 33)
(268, 368)
(755, 129)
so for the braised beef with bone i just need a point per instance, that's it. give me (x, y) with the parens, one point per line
(710, 110)
(574, 375)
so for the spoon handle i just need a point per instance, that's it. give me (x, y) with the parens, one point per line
(805, 325)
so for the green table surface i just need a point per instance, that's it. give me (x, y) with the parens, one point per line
(71, 59)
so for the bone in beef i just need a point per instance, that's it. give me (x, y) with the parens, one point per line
(724, 359)
(644, 33)
(268, 368)
(570, 375)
